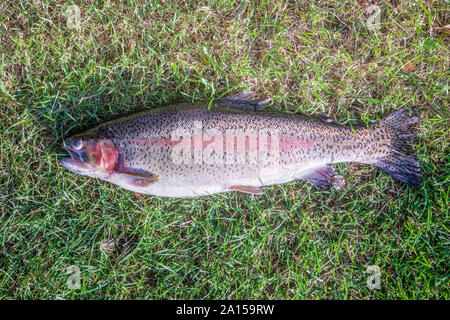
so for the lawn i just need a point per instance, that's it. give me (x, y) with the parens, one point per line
(65, 68)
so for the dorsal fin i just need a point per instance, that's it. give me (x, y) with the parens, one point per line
(243, 101)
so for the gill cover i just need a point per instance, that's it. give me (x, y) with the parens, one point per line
(96, 158)
(100, 159)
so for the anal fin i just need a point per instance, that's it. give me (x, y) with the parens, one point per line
(320, 176)
(247, 189)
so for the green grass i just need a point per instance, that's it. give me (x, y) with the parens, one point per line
(297, 242)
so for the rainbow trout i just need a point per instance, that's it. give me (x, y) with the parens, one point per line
(189, 150)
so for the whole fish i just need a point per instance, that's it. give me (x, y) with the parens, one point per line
(194, 149)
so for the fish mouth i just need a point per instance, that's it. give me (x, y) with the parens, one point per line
(73, 163)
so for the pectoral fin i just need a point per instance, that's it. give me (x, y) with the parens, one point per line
(138, 177)
(247, 189)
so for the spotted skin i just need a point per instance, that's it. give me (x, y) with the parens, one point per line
(148, 142)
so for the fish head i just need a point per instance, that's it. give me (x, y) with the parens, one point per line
(89, 156)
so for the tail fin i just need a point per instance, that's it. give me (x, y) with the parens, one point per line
(401, 163)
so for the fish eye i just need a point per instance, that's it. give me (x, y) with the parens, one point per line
(77, 144)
